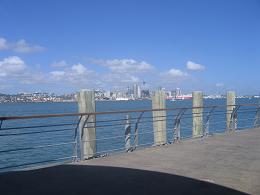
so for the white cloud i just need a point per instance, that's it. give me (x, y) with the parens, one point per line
(61, 63)
(23, 47)
(20, 46)
(57, 75)
(73, 73)
(219, 84)
(194, 67)
(124, 65)
(79, 68)
(3, 44)
(76, 76)
(173, 76)
(120, 73)
(14, 71)
(175, 73)
(12, 65)
(131, 79)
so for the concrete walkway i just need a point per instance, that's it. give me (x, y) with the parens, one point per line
(221, 164)
(231, 160)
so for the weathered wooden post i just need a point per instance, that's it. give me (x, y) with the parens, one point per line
(197, 113)
(87, 130)
(231, 101)
(127, 134)
(159, 118)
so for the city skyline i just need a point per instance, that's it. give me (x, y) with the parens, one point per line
(136, 93)
(208, 46)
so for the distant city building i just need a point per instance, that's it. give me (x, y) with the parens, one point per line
(99, 94)
(178, 92)
(130, 92)
(137, 91)
(145, 93)
(36, 97)
(107, 95)
(168, 94)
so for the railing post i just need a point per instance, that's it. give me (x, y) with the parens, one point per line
(127, 134)
(177, 130)
(136, 137)
(233, 121)
(206, 127)
(231, 101)
(177, 126)
(136, 134)
(87, 129)
(159, 118)
(76, 139)
(197, 101)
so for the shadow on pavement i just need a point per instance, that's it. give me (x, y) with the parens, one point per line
(77, 179)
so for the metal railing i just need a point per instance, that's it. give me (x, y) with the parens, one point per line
(27, 141)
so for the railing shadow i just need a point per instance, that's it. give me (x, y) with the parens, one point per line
(84, 179)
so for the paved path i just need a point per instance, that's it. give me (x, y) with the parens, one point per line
(221, 164)
(231, 160)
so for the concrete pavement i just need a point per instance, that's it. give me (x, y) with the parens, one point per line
(220, 164)
(231, 160)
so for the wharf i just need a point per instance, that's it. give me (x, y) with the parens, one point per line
(228, 163)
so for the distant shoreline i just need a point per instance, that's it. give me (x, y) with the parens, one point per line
(74, 101)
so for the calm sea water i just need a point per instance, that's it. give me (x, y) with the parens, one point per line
(30, 141)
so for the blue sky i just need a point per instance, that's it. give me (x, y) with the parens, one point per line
(64, 46)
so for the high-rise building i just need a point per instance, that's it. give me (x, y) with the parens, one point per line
(137, 91)
(107, 94)
(178, 92)
(129, 92)
(145, 93)
(168, 94)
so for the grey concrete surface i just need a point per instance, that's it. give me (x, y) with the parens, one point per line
(231, 160)
(221, 164)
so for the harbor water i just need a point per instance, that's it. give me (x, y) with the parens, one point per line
(11, 140)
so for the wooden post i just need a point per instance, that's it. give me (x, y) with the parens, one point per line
(127, 134)
(231, 101)
(159, 118)
(87, 130)
(197, 101)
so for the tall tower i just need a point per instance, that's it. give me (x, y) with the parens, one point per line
(137, 91)
(178, 92)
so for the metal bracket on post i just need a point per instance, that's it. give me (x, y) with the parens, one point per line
(233, 120)
(136, 131)
(177, 126)
(81, 133)
(76, 139)
(77, 126)
(127, 134)
(257, 118)
(206, 127)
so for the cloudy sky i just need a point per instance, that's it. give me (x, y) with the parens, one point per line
(64, 46)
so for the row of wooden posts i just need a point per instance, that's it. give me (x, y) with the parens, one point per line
(87, 130)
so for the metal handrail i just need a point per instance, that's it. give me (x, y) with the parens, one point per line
(2, 118)
(176, 123)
